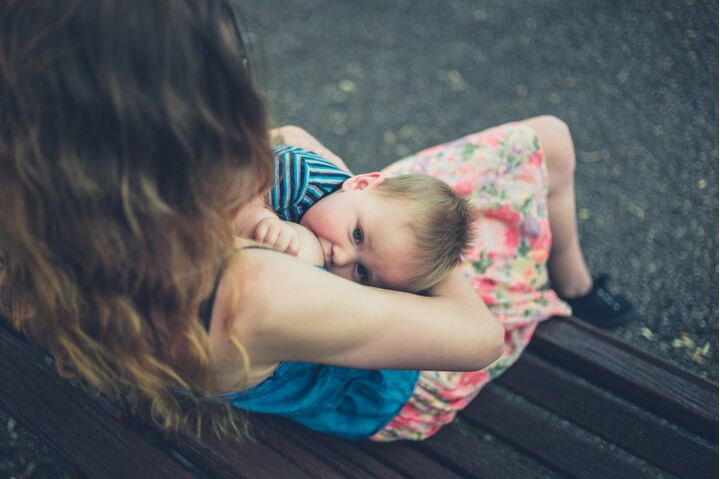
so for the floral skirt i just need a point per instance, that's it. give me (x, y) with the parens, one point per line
(502, 172)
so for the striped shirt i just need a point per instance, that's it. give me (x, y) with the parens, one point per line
(302, 178)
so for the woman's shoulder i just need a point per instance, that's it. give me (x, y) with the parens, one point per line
(247, 283)
(260, 301)
(238, 310)
(263, 293)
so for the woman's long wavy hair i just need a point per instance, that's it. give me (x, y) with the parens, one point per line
(129, 133)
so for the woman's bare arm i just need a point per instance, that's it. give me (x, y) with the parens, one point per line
(294, 312)
(296, 136)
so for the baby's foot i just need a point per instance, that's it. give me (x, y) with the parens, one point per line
(601, 308)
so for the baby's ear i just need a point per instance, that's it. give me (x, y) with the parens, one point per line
(366, 180)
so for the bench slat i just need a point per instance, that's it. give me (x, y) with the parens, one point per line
(610, 418)
(464, 450)
(71, 422)
(305, 455)
(545, 439)
(407, 459)
(251, 459)
(655, 385)
(342, 455)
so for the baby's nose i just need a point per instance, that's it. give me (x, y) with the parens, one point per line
(341, 256)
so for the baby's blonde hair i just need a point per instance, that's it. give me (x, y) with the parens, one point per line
(439, 219)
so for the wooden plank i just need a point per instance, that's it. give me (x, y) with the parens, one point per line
(464, 450)
(655, 385)
(408, 459)
(615, 341)
(71, 422)
(317, 465)
(610, 418)
(545, 439)
(343, 457)
(77, 424)
(251, 459)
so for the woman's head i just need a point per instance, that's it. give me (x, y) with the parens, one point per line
(158, 90)
(129, 133)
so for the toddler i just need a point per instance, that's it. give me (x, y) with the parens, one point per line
(404, 233)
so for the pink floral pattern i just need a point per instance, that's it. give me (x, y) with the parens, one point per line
(502, 172)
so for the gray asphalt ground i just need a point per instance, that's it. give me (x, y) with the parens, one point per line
(637, 81)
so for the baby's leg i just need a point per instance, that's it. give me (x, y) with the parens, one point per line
(567, 268)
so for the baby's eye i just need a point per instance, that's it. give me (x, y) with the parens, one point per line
(357, 235)
(362, 274)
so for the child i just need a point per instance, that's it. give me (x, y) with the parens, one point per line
(522, 191)
(404, 233)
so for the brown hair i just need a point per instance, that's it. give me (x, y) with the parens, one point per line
(129, 132)
(440, 221)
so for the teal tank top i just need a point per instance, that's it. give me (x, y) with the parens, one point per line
(346, 402)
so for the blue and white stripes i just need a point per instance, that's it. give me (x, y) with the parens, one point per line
(301, 179)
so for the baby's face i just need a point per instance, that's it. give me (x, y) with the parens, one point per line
(365, 237)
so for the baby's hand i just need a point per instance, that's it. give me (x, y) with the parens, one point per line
(278, 233)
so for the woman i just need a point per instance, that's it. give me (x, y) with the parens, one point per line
(131, 137)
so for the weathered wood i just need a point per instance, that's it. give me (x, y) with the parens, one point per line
(593, 409)
(342, 455)
(317, 464)
(469, 454)
(529, 445)
(546, 440)
(251, 459)
(408, 459)
(71, 422)
(653, 384)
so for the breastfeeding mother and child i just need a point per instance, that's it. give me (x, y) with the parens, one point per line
(134, 145)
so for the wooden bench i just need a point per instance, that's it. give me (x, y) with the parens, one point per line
(579, 403)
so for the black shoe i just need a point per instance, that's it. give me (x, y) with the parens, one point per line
(600, 307)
